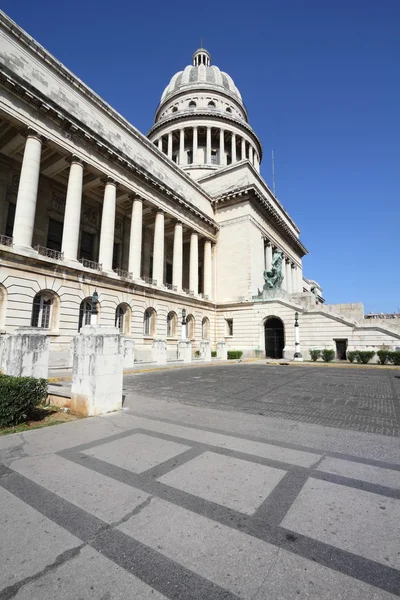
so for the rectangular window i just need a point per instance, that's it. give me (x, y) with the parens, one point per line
(169, 273)
(54, 235)
(10, 220)
(116, 256)
(190, 157)
(213, 157)
(87, 244)
(229, 327)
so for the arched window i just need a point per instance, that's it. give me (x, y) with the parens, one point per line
(149, 322)
(85, 311)
(174, 109)
(123, 318)
(190, 327)
(172, 322)
(192, 104)
(43, 314)
(211, 104)
(229, 110)
(205, 328)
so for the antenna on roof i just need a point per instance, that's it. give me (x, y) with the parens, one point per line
(201, 42)
(273, 173)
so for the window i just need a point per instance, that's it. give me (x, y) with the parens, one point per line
(41, 310)
(190, 157)
(168, 274)
(229, 327)
(117, 253)
(211, 104)
(213, 157)
(190, 327)
(87, 244)
(174, 109)
(172, 321)
(192, 104)
(123, 318)
(205, 329)
(10, 220)
(85, 311)
(229, 110)
(54, 235)
(149, 322)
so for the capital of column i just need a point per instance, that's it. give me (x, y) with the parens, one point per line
(32, 133)
(76, 160)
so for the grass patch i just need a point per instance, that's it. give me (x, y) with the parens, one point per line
(38, 417)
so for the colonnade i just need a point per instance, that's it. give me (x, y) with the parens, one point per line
(237, 148)
(292, 273)
(25, 220)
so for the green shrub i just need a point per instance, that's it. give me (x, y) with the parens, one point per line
(383, 356)
(213, 354)
(394, 356)
(197, 353)
(233, 354)
(352, 355)
(364, 356)
(19, 395)
(327, 354)
(315, 355)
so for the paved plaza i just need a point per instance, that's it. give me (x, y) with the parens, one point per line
(182, 500)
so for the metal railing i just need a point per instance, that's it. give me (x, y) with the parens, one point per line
(123, 274)
(90, 264)
(169, 286)
(6, 241)
(49, 252)
(149, 280)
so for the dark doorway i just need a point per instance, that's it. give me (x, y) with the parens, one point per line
(341, 349)
(274, 338)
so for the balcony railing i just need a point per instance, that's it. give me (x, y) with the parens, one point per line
(188, 292)
(149, 280)
(90, 264)
(169, 286)
(6, 241)
(123, 274)
(49, 252)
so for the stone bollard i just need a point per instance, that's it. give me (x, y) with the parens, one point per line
(26, 353)
(222, 350)
(98, 354)
(205, 350)
(129, 352)
(185, 351)
(159, 352)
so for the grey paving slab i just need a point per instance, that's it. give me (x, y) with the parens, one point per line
(29, 542)
(363, 472)
(88, 576)
(237, 484)
(137, 452)
(361, 522)
(99, 495)
(232, 560)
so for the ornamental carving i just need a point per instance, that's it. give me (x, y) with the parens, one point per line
(14, 184)
(58, 202)
(89, 215)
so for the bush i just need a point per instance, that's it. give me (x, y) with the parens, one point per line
(394, 356)
(327, 355)
(315, 355)
(232, 354)
(213, 354)
(197, 353)
(383, 356)
(352, 355)
(364, 356)
(19, 395)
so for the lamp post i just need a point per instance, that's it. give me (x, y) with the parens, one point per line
(297, 353)
(184, 325)
(94, 311)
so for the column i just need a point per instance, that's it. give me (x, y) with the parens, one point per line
(177, 261)
(300, 279)
(135, 244)
(108, 225)
(294, 279)
(170, 145)
(222, 160)
(181, 146)
(256, 162)
(233, 147)
(243, 148)
(194, 263)
(288, 276)
(195, 146)
(158, 249)
(208, 146)
(72, 216)
(207, 271)
(27, 192)
(284, 282)
(268, 256)
(251, 154)
(159, 142)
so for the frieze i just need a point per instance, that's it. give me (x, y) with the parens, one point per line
(58, 202)
(14, 184)
(89, 215)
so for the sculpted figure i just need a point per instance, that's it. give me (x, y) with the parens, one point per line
(274, 277)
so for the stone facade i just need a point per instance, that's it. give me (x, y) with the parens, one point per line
(181, 219)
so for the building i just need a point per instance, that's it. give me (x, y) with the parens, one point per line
(180, 219)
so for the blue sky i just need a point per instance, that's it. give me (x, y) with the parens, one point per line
(320, 79)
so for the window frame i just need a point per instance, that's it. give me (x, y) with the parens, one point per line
(229, 327)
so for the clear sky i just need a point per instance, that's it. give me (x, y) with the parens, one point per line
(321, 82)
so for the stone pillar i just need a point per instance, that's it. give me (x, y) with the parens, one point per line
(194, 263)
(288, 276)
(159, 143)
(294, 279)
(170, 145)
(207, 270)
(222, 350)
(135, 242)
(159, 352)
(129, 352)
(251, 153)
(177, 261)
(243, 148)
(300, 279)
(222, 160)
(195, 146)
(98, 356)
(208, 146)
(185, 351)
(158, 249)
(72, 216)
(26, 353)
(256, 162)
(205, 350)
(4, 350)
(108, 226)
(181, 146)
(233, 147)
(27, 192)
(268, 256)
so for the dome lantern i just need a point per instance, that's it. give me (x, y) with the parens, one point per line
(201, 57)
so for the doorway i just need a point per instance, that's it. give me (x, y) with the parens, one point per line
(341, 349)
(274, 338)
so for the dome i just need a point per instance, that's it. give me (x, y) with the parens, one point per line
(201, 74)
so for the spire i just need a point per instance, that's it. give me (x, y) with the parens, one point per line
(201, 57)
